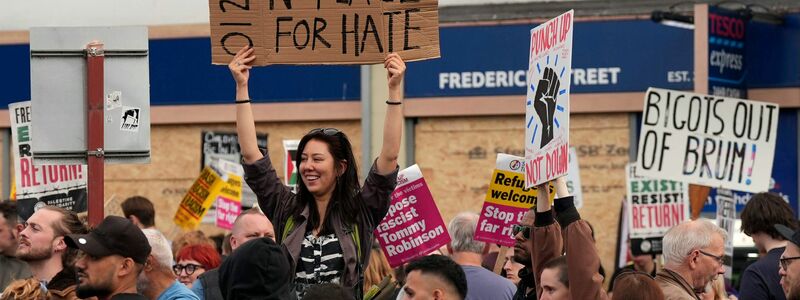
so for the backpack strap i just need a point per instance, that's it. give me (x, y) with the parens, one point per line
(355, 236)
(287, 227)
(357, 241)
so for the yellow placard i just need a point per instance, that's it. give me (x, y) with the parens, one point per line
(508, 188)
(199, 198)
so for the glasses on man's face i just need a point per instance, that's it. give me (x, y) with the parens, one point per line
(720, 259)
(189, 268)
(326, 131)
(526, 231)
(786, 261)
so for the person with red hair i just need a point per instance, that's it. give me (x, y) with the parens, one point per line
(194, 260)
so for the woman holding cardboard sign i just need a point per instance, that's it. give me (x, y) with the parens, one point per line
(327, 226)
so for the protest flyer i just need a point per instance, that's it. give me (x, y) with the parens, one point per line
(223, 147)
(507, 200)
(229, 202)
(547, 104)
(413, 226)
(206, 190)
(324, 31)
(36, 186)
(654, 205)
(726, 217)
(707, 140)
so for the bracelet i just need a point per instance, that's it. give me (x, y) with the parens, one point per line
(242, 101)
(393, 102)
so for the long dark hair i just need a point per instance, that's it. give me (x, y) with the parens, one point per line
(343, 198)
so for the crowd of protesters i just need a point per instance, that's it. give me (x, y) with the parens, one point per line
(317, 243)
(54, 255)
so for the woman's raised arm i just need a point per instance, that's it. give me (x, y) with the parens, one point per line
(393, 125)
(245, 125)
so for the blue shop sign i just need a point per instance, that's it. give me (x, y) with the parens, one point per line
(181, 73)
(726, 53)
(610, 56)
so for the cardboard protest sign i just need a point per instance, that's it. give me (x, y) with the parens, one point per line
(655, 205)
(413, 226)
(290, 174)
(35, 186)
(726, 217)
(324, 31)
(707, 140)
(506, 201)
(547, 107)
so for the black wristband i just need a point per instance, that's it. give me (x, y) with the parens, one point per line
(566, 213)
(393, 102)
(242, 101)
(544, 218)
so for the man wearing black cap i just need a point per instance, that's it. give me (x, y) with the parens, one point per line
(789, 269)
(113, 255)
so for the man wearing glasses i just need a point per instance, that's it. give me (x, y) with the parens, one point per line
(789, 269)
(693, 254)
(526, 288)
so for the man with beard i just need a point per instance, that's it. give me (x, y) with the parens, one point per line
(42, 246)
(11, 268)
(526, 288)
(157, 281)
(789, 268)
(113, 255)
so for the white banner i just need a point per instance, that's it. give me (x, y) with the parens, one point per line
(708, 140)
(547, 104)
(59, 185)
(654, 205)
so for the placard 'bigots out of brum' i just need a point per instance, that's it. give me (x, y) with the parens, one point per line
(547, 104)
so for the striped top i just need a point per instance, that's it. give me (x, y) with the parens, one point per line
(321, 261)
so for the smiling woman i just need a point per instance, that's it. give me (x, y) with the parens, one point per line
(327, 226)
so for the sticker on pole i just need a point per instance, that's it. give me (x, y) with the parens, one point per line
(547, 104)
(130, 119)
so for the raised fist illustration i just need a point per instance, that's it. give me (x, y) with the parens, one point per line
(544, 102)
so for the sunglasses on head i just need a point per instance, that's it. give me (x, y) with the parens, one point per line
(326, 131)
(526, 231)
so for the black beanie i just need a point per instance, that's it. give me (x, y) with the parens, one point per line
(258, 269)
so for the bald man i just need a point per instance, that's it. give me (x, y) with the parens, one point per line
(251, 224)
